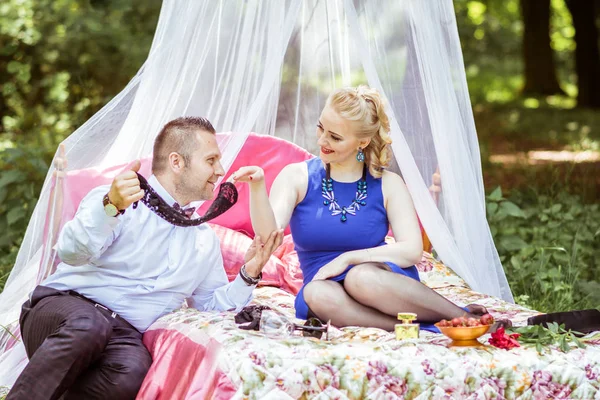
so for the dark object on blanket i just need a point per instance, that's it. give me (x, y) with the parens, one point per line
(250, 317)
(584, 321)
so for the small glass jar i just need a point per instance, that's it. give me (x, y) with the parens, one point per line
(407, 329)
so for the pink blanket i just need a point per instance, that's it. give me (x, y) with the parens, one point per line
(184, 367)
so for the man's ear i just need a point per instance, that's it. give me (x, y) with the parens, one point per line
(176, 162)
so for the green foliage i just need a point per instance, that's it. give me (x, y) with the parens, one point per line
(60, 61)
(23, 171)
(488, 29)
(491, 39)
(511, 128)
(554, 334)
(545, 234)
(549, 248)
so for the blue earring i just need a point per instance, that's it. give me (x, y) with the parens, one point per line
(360, 156)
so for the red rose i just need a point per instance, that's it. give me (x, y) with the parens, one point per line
(503, 341)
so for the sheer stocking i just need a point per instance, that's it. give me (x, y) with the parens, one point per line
(329, 301)
(388, 292)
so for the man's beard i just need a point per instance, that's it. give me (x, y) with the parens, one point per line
(187, 189)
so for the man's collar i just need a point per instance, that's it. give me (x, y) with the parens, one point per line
(160, 190)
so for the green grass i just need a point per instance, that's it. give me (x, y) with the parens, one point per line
(549, 240)
(549, 247)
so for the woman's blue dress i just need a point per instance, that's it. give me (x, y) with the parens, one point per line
(320, 237)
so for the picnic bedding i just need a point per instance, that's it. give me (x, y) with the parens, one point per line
(203, 355)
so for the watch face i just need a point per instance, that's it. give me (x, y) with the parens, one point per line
(111, 210)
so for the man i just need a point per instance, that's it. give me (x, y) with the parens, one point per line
(123, 267)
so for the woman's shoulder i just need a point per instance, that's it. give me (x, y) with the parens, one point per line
(302, 168)
(295, 168)
(391, 180)
(391, 176)
(294, 175)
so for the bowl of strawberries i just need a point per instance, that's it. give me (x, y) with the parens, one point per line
(464, 331)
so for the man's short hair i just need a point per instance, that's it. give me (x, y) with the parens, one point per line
(178, 136)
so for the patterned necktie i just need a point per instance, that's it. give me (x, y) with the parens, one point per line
(226, 198)
(186, 212)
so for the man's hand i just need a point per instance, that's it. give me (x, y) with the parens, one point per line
(125, 188)
(258, 254)
(250, 174)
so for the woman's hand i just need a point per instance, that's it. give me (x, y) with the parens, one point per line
(250, 174)
(333, 268)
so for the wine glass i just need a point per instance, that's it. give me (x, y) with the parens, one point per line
(273, 324)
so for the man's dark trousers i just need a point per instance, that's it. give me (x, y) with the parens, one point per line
(77, 350)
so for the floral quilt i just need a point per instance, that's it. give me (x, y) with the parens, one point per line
(200, 355)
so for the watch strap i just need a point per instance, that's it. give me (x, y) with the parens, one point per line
(106, 201)
(250, 281)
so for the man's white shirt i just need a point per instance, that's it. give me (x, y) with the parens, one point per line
(140, 266)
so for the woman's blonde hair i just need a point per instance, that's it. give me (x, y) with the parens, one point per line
(365, 106)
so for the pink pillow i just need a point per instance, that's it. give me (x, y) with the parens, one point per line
(271, 154)
(282, 270)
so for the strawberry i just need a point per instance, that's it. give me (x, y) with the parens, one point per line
(487, 319)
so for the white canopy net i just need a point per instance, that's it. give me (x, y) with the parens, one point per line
(267, 66)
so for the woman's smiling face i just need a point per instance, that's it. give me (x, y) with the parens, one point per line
(336, 138)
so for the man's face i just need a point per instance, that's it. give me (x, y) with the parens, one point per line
(200, 176)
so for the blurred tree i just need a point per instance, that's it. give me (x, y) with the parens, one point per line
(60, 62)
(491, 39)
(587, 55)
(540, 70)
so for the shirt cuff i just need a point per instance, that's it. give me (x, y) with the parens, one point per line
(239, 292)
(100, 219)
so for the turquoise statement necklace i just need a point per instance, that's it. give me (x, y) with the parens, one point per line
(331, 202)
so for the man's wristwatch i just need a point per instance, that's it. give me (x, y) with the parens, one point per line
(109, 208)
(250, 281)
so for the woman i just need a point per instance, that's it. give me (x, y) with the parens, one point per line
(339, 207)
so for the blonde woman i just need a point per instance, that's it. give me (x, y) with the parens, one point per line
(339, 207)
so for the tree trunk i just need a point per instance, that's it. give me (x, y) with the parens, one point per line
(540, 72)
(587, 54)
